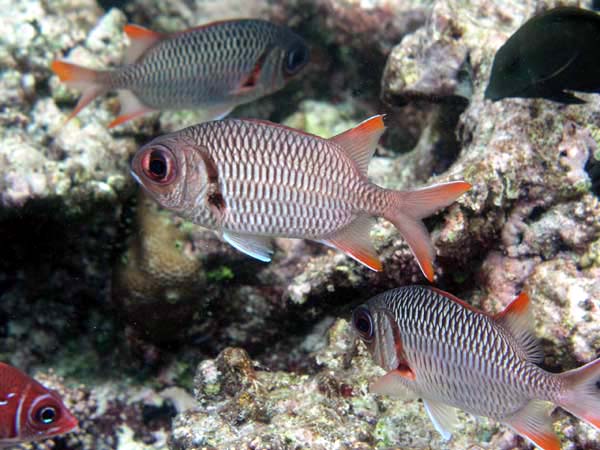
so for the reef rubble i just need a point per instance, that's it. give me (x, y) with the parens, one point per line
(161, 336)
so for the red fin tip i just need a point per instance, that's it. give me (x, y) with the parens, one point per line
(137, 32)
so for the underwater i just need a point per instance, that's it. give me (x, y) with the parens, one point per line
(300, 224)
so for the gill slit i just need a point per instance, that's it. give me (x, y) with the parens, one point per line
(17, 422)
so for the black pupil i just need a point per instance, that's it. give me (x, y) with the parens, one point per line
(296, 58)
(363, 323)
(158, 165)
(47, 415)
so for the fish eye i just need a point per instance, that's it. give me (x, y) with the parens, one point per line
(158, 165)
(363, 323)
(46, 415)
(295, 58)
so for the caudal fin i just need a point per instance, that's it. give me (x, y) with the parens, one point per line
(408, 208)
(581, 396)
(86, 80)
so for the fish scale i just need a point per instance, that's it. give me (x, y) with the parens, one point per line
(436, 347)
(251, 180)
(215, 67)
(185, 66)
(321, 198)
(497, 386)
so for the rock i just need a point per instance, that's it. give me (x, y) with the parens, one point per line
(275, 365)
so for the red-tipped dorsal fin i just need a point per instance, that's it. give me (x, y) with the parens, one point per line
(533, 422)
(141, 40)
(80, 78)
(455, 299)
(393, 384)
(360, 142)
(406, 209)
(354, 241)
(131, 108)
(518, 320)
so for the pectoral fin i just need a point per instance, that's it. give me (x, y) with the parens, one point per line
(217, 112)
(394, 385)
(259, 247)
(443, 417)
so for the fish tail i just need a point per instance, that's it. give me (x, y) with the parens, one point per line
(90, 82)
(406, 210)
(581, 396)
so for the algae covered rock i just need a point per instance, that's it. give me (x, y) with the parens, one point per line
(135, 307)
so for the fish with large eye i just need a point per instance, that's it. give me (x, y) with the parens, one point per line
(252, 180)
(547, 57)
(28, 410)
(436, 347)
(214, 67)
(159, 166)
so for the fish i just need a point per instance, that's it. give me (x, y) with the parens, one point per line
(547, 57)
(28, 410)
(214, 67)
(250, 180)
(437, 347)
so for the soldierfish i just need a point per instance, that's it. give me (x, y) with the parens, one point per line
(215, 67)
(548, 56)
(28, 410)
(438, 348)
(251, 180)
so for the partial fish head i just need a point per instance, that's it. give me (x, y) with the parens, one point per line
(509, 75)
(376, 327)
(42, 414)
(171, 171)
(285, 58)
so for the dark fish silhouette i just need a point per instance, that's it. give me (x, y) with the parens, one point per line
(552, 53)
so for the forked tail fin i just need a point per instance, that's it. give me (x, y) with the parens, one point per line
(89, 81)
(581, 396)
(408, 208)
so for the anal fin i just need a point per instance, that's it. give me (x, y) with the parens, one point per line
(131, 107)
(443, 417)
(259, 247)
(563, 97)
(393, 384)
(533, 423)
(354, 241)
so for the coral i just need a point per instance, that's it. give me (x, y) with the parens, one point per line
(158, 283)
(275, 368)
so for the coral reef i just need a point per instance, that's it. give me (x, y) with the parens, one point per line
(133, 307)
(158, 283)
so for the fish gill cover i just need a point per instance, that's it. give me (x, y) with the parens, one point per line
(98, 295)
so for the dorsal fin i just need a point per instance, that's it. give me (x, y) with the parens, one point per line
(518, 320)
(359, 142)
(141, 40)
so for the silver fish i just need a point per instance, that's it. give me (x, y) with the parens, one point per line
(215, 67)
(251, 180)
(438, 348)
